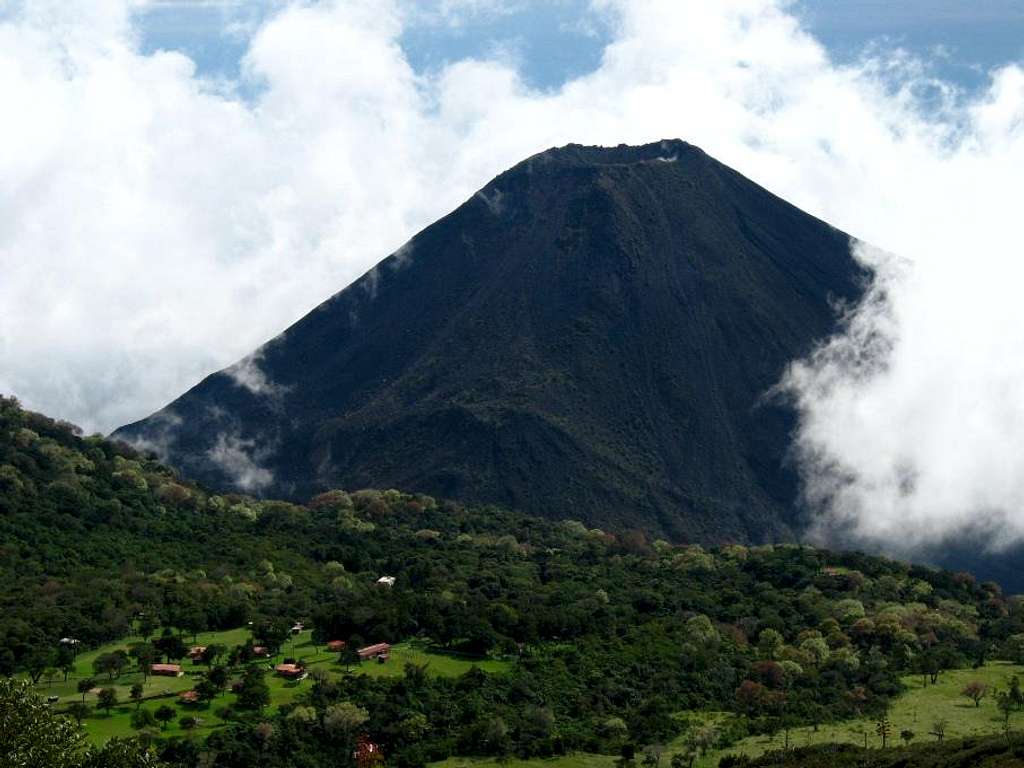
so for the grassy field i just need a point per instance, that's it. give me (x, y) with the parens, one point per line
(164, 690)
(580, 760)
(916, 710)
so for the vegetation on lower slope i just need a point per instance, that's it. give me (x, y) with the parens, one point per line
(991, 752)
(154, 692)
(917, 715)
(609, 640)
(33, 736)
(921, 714)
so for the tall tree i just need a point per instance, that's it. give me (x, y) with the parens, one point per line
(136, 694)
(37, 661)
(107, 699)
(253, 694)
(213, 652)
(165, 713)
(170, 645)
(85, 685)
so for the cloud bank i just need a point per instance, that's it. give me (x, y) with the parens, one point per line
(156, 226)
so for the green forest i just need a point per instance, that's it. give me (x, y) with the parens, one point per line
(513, 637)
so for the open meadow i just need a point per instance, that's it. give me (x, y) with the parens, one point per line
(916, 711)
(158, 691)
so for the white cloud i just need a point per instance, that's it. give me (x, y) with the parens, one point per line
(161, 437)
(154, 227)
(248, 373)
(240, 460)
(190, 3)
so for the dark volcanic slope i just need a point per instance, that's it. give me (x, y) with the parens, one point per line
(588, 337)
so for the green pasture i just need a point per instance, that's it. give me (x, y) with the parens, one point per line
(579, 760)
(164, 690)
(916, 710)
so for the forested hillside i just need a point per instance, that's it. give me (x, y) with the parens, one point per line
(611, 642)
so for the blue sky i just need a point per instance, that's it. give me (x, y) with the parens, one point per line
(557, 40)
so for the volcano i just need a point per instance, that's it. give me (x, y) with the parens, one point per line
(592, 336)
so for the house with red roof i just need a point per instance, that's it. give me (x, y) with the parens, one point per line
(380, 651)
(291, 671)
(189, 697)
(166, 670)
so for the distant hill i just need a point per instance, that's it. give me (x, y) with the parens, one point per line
(590, 336)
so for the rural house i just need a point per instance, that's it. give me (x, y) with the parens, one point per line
(380, 651)
(189, 697)
(290, 671)
(165, 670)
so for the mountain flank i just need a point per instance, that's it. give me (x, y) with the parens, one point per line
(590, 336)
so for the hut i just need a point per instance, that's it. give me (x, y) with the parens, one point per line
(165, 670)
(375, 651)
(290, 671)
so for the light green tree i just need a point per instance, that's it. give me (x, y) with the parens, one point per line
(700, 631)
(816, 649)
(770, 643)
(31, 734)
(341, 720)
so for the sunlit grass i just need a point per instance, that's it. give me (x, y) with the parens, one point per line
(916, 710)
(158, 691)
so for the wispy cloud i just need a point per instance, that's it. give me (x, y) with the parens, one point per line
(249, 374)
(185, 4)
(240, 459)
